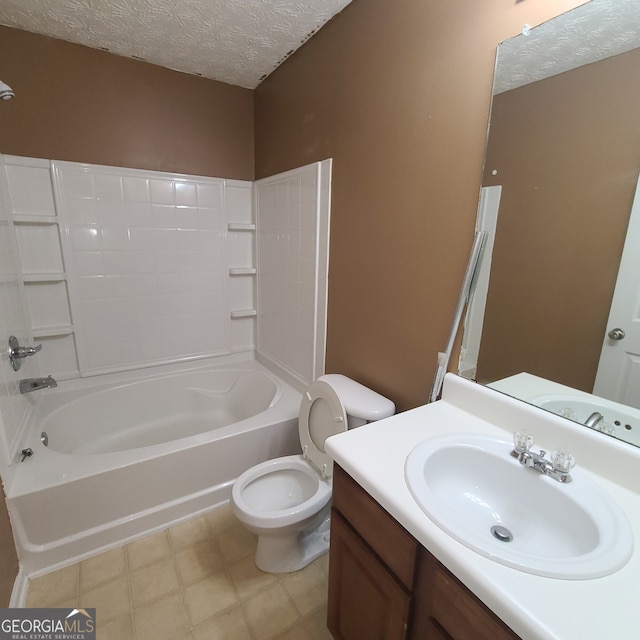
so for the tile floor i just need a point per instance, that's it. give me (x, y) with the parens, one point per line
(194, 581)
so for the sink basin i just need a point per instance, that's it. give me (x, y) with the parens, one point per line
(473, 489)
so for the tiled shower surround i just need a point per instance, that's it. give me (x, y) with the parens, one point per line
(293, 252)
(145, 259)
(124, 268)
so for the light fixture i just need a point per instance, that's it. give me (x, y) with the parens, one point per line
(6, 92)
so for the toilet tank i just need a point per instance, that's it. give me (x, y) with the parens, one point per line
(361, 403)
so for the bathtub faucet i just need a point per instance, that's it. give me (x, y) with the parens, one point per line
(33, 384)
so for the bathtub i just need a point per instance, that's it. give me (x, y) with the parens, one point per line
(129, 454)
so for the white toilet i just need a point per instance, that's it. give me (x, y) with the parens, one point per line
(286, 501)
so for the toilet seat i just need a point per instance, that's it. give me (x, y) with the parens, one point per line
(283, 516)
(322, 414)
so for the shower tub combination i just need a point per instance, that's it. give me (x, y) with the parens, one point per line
(127, 455)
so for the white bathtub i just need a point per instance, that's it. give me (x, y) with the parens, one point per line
(129, 454)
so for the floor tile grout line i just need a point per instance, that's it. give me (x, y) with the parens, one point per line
(183, 590)
(127, 568)
(226, 568)
(183, 586)
(214, 537)
(77, 594)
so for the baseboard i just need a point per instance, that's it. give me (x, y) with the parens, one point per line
(20, 590)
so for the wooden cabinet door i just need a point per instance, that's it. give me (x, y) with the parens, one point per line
(388, 540)
(446, 610)
(365, 600)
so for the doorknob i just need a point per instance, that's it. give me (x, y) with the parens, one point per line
(616, 334)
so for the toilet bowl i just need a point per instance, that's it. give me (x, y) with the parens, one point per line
(286, 501)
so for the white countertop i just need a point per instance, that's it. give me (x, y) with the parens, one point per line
(535, 607)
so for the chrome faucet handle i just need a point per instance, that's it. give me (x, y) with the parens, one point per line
(563, 460)
(30, 351)
(16, 352)
(522, 441)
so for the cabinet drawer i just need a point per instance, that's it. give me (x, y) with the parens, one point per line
(393, 545)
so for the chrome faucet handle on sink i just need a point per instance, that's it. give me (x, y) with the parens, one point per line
(558, 468)
(522, 441)
(563, 460)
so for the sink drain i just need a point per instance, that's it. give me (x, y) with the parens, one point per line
(501, 533)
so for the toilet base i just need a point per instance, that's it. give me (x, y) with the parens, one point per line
(291, 552)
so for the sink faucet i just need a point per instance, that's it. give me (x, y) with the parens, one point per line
(33, 384)
(558, 467)
(594, 420)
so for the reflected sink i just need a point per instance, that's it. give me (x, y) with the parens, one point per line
(619, 420)
(473, 489)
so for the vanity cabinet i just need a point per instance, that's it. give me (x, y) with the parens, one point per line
(445, 609)
(365, 599)
(371, 567)
(383, 585)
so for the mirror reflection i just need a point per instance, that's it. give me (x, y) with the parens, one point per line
(561, 175)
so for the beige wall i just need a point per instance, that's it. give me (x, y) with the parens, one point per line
(566, 153)
(85, 105)
(398, 94)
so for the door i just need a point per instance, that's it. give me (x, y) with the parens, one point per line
(618, 376)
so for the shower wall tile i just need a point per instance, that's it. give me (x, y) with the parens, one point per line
(162, 192)
(39, 248)
(107, 187)
(292, 212)
(48, 304)
(210, 197)
(243, 332)
(240, 248)
(135, 190)
(13, 321)
(147, 260)
(239, 203)
(241, 293)
(241, 255)
(29, 187)
(41, 268)
(186, 194)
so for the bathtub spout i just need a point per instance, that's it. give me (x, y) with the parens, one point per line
(33, 384)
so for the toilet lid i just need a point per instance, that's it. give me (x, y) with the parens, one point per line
(322, 414)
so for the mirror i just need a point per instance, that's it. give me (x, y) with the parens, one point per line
(564, 146)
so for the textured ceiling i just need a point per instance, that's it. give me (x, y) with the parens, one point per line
(591, 32)
(235, 41)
